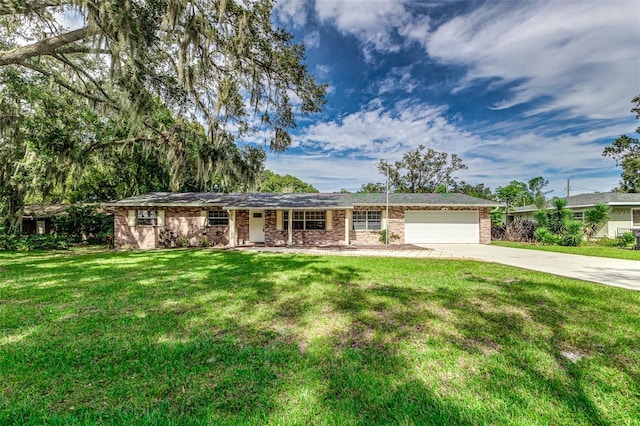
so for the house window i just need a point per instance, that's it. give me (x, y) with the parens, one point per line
(636, 217)
(311, 220)
(367, 220)
(578, 216)
(218, 218)
(146, 217)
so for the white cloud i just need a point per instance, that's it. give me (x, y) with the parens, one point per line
(291, 11)
(399, 79)
(312, 39)
(372, 23)
(580, 56)
(337, 149)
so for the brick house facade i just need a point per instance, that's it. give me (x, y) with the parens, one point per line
(164, 219)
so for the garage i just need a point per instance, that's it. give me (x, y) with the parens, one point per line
(424, 227)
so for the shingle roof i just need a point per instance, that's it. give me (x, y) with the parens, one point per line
(298, 200)
(588, 200)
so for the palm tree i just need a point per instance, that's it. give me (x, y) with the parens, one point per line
(594, 218)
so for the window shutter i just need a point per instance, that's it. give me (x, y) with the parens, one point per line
(131, 218)
(329, 222)
(203, 217)
(160, 217)
(279, 220)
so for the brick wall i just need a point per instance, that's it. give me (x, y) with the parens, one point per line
(275, 237)
(485, 225)
(188, 222)
(183, 221)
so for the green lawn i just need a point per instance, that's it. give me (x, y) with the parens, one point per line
(585, 250)
(223, 337)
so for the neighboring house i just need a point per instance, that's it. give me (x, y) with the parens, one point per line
(625, 210)
(301, 219)
(36, 218)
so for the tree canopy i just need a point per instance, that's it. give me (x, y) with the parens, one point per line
(217, 60)
(518, 193)
(143, 95)
(626, 151)
(421, 170)
(273, 182)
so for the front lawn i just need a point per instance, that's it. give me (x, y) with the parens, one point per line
(206, 337)
(585, 250)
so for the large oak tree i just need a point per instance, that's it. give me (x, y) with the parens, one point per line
(182, 80)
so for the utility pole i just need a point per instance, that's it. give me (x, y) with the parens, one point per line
(386, 233)
(568, 187)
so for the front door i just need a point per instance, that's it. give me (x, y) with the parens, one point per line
(256, 226)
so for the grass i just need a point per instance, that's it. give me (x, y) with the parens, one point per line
(588, 249)
(223, 337)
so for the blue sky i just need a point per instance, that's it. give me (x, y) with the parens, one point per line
(517, 89)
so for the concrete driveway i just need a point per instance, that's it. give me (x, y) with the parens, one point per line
(614, 272)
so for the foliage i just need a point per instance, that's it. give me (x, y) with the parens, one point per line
(626, 239)
(542, 218)
(223, 337)
(222, 60)
(519, 230)
(518, 194)
(497, 217)
(373, 188)
(546, 237)
(113, 108)
(12, 241)
(83, 223)
(626, 151)
(183, 241)
(383, 237)
(573, 235)
(274, 183)
(594, 218)
(513, 195)
(559, 217)
(167, 238)
(479, 190)
(421, 170)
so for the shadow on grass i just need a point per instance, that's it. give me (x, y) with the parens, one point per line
(207, 336)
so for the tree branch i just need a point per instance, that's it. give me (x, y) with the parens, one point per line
(47, 46)
(12, 7)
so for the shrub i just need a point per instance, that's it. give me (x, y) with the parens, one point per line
(518, 231)
(9, 241)
(594, 218)
(167, 238)
(44, 242)
(559, 217)
(625, 239)
(204, 242)
(183, 242)
(542, 218)
(608, 242)
(392, 237)
(574, 234)
(83, 223)
(546, 237)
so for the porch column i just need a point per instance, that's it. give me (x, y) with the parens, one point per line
(232, 228)
(290, 228)
(347, 226)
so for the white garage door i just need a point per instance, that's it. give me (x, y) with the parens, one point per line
(441, 227)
